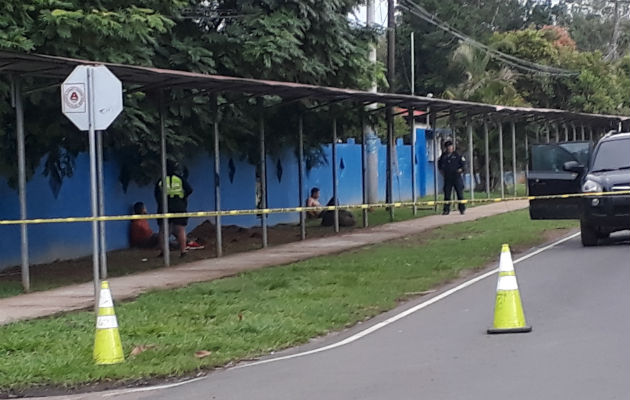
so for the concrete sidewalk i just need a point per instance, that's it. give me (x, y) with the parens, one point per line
(76, 297)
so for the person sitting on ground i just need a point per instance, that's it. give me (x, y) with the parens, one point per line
(346, 218)
(142, 236)
(313, 201)
(140, 233)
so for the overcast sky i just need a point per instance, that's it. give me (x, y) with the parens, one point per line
(380, 15)
(381, 12)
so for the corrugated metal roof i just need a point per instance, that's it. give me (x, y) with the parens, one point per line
(154, 78)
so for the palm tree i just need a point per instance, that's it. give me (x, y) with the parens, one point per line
(482, 83)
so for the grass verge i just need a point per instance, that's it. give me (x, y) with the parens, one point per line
(256, 312)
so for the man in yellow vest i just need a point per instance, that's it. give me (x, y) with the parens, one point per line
(177, 192)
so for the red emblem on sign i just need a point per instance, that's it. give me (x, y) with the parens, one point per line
(74, 98)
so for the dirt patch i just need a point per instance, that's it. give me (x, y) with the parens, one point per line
(236, 239)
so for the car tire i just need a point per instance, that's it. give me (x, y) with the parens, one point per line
(602, 235)
(588, 234)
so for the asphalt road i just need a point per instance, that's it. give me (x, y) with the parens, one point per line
(577, 300)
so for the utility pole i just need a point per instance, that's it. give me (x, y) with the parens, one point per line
(369, 136)
(613, 46)
(413, 64)
(391, 37)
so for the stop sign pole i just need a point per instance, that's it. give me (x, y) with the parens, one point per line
(93, 183)
(92, 98)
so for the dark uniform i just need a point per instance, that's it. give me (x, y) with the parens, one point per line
(451, 165)
(177, 192)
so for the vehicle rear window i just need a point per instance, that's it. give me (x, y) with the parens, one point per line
(612, 155)
(550, 158)
(579, 150)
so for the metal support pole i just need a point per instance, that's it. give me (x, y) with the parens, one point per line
(93, 185)
(501, 174)
(364, 173)
(21, 153)
(557, 132)
(166, 234)
(217, 184)
(334, 173)
(471, 154)
(526, 164)
(101, 203)
(547, 133)
(432, 120)
(301, 174)
(451, 125)
(574, 132)
(590, 133)
(389, 195)
(582, 135)
(513, 125)
(566, 133)
(487, 156)
(412, 126)
(263, 179)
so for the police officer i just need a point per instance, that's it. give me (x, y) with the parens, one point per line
(177, 192)
(451, 165)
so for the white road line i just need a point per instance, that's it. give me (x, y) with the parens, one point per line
(405, 313)
(364, 332)
(151, 388)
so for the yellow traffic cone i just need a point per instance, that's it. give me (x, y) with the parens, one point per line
(107, 345)
(508, 310)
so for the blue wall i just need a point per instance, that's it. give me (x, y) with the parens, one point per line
(49, 242)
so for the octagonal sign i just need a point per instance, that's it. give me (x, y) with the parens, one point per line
(91, 86)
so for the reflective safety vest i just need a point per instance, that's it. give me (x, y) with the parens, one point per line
(174, 187)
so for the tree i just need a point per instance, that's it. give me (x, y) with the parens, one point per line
(478, 20)
(594, 88)
(120, 33)
(299, 41)
(482, 84)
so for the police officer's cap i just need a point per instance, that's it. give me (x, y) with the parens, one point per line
(448, 143)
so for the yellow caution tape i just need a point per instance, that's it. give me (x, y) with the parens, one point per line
(205, 214)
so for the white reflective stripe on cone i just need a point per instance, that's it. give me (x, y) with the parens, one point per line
(106, 322)
(105, 299)
(507, 283)
(505, 262)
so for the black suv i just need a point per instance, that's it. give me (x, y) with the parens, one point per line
(575, 167)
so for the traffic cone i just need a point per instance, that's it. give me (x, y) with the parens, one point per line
(508, 310)
(107, 345)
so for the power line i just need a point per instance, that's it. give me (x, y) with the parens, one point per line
(508, 59)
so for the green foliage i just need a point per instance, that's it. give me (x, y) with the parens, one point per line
(298, 41)
(596, 88)
(479, 20)
(537, 31)
(494, 86)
